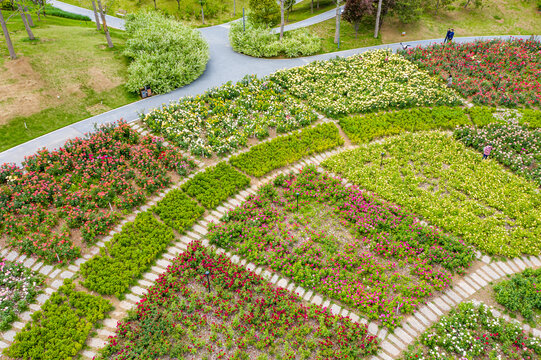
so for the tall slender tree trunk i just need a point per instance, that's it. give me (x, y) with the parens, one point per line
(105, 29)
(312, 6)
(12, 54)
(28, 30)
(28, 17)
(337, 32)
(467, 3)
(96, 15)
(378, 15)
(203, 14)
(436, 7)
(282, 19)
(318, 4)
(234, 7)
(356, 29)
(155, 6)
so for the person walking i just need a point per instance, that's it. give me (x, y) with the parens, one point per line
(486, 151)
(447, 35)
(450, 81)
(451, 35)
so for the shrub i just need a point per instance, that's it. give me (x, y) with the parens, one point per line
(52, 11)
(521, 293)
(178, 210)
(368, 127)
(223, 119)
(374, 80)
(18, 288)
(260, 41)
(473, 332)
(215, 185)
(264, 12)
(60, 329)
(532, 118)
(343, 243)
(127, 256)
(439, 179)
(265, 157)
(251, 319)
(481, 115)
(166, 54)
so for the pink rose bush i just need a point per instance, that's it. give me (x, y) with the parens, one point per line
(506, 73)
(241, 317)
(376, 258)
(76, 193)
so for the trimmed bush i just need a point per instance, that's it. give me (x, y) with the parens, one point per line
(215, 185)
(284, 150)
(260, 41)
(178, 210)
(166, 54)
(59, 330)
(521, 293)
(128, 255)
(365, 128)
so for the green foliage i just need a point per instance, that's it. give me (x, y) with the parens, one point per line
(439, 179)
(166, 54)
(481, 115)
(262, 158)
(260, 41)
(264, 12)
(52, 11)
(366, 128)
(18, 288)
(408, 11)
(178, 210)
(531, 117)
(215, 185)
(129, 254)
(521, 293)
(472, 332)
(60, 329)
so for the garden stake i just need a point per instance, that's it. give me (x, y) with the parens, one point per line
(297, 201)
(208, 280)
(381, 163)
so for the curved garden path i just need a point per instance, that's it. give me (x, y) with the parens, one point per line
(224, 65)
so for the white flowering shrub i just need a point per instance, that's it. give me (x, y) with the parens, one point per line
(370, 81)
(166, 54)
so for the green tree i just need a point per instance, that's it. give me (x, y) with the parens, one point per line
(408, 11)
(356, 10)
(265, 12)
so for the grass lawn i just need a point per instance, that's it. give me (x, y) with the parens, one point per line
(39, 92)
(497, 17)
(188, 11)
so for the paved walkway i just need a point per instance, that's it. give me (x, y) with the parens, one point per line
(224, 65)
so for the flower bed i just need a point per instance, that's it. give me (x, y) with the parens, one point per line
(223, 119)
(344, 243)
(436, 177)
(242, 317)
(215, 185)
(265, 157)
(18, 288)
(177, 210)
(472, 332)
(367, 82)
(76, 193)
(521, 294)
(491, 72)
(365, 128)
(513, 145)
(127, 256)
(59, 330)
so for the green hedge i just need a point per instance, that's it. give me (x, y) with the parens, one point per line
(482, 115)
(265, 157)
(52, 11)
(166, 54)
(521, 293)
(215, 185)
(127, 256)
(60, 329)
(532, 118)
(366, 128)
(178, 210)
(260, 41)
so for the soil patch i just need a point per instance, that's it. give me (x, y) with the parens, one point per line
(22, 88)
(100, 81)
